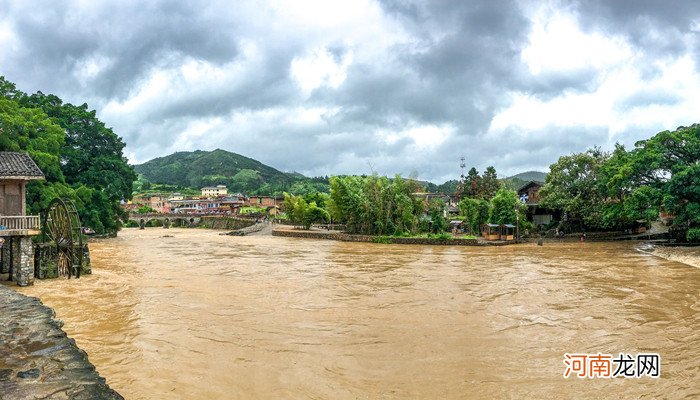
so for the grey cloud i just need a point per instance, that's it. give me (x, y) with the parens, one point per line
(645, 97)
(457, 61)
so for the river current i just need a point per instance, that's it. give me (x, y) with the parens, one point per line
(190, 314)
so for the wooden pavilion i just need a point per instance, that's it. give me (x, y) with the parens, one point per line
(17, 228)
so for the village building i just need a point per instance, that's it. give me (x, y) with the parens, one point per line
(176, 196)
(158, 202)
(214, 191)
(529, 195)
(17, 228)
(264, 201)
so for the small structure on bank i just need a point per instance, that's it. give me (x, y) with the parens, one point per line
(17, 228)
(491, 231)
(507, 232)
(61, 251)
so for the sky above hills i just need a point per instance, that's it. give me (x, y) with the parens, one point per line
(341, 87)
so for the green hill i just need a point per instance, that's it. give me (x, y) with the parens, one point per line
(196, 169)
(530, 176)
(515, 182)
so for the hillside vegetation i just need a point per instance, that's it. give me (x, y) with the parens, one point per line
(195, 169)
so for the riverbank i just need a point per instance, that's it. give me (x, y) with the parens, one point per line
(288, 231)
(687, 255)
(38, 360)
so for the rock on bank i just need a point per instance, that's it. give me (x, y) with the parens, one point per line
(38, 360)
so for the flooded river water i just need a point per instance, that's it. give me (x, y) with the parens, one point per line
(201, 316)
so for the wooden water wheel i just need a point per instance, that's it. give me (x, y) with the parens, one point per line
(61, 228)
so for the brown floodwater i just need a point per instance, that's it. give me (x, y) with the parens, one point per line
(196, 315)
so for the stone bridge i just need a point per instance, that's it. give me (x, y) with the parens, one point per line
(170, 219)
(191, 220)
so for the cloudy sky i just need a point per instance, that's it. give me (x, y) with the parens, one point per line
(339, 87)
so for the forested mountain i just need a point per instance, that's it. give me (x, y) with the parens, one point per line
(81, 158)
(517, 181)
(199, 168)
(530, 176)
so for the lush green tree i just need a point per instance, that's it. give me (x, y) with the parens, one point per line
(572, 186)
(506, 207)
(375, 205)
(489, 184)
(314, 215)
(669, 163)
(81, 159)
(436, 211)
(92, 154)
(472, 183)
(475, 212)
(627, 194)
(303, 214)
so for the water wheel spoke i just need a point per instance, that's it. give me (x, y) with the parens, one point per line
(62, 228)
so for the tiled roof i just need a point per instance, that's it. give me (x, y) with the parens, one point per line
(18, 165)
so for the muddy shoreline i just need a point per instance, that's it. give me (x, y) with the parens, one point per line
(38, 359)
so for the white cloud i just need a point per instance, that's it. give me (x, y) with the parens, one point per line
(557, 43)
(320, 68)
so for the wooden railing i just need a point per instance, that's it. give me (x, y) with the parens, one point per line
(28, 222)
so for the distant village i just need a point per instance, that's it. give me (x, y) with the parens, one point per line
(213, 200)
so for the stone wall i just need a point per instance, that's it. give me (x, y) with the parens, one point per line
(5, 254)
(22, 260)
(227, 223)
(38, 360)
(46, 261)
(383, 239)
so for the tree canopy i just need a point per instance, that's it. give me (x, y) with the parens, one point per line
(81, 158)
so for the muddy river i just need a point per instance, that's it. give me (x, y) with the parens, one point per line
(196, 315)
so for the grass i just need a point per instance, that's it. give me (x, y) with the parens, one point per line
(253, 210)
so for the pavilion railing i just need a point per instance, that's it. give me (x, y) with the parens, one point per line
(20, 222)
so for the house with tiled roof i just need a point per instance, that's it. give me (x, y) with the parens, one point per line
(17, 228)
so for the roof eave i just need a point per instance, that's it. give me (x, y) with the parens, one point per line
(20, 177)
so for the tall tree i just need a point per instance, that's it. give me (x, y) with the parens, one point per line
(572, 186)
(506, 207)
(489, 184)
(80, 158)
(670, 163)
(472, 183)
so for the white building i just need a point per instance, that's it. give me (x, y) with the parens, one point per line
(214, 191)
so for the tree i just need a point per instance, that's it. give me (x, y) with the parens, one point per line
(472, 183)
(627, 191)
(669, 163)
(489, 184)
(436, 211)
(374, 205)
(572, 186)
(314, 214)
(304, 214)
(506, 207)
(475, 212)
(80, 157)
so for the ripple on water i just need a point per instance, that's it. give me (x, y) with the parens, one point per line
(202, 316)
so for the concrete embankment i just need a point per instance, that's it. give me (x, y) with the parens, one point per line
(344, 237)
(687, 255)
(38, 360)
